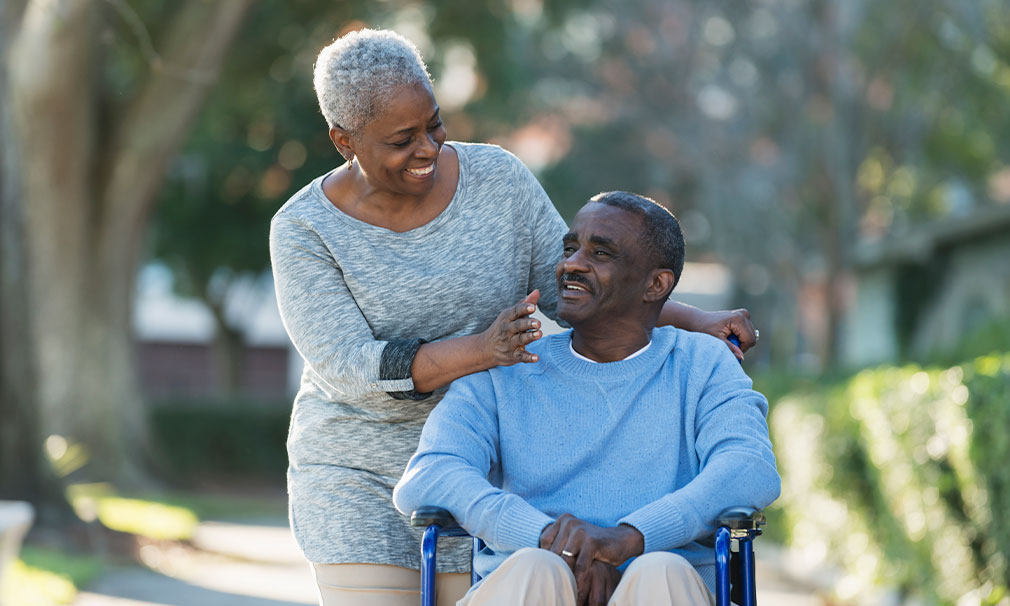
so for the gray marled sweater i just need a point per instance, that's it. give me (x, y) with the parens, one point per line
(357, 300)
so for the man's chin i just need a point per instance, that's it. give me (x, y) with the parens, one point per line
(572, 314)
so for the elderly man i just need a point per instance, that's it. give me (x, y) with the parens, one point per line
(594, 474)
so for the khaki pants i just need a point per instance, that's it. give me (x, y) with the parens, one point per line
(382, 585)
(537, 577)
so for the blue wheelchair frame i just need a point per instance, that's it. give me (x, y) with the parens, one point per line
(734, 552)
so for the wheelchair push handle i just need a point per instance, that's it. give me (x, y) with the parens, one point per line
(425, 516)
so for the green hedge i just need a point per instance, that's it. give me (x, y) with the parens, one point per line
(215, 439)
(901, 476)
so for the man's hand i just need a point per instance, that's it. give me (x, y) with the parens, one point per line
(601, 582)
(579, 543)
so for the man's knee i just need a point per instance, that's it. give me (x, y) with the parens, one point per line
(660, 563)
(536, 559)
(528, 576)
(661, 577)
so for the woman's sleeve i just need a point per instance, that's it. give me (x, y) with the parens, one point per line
(547, 228)
(325, 324)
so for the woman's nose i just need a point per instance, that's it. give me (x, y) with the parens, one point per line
(429, 147)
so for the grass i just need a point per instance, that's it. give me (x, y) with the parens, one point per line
(47, 577)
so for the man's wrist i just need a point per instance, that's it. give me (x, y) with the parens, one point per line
(631, 540)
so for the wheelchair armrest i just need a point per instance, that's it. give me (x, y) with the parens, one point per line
(426, 516)
(742, 518)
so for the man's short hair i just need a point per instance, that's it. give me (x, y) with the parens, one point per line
(662, 234)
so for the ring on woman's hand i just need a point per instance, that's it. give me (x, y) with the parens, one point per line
(567, 553)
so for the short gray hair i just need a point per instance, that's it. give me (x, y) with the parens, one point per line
(356, 74)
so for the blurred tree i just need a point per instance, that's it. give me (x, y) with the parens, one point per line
(22, 469)
(258, 139)
(94, 130)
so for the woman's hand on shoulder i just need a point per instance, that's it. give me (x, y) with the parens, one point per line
(506, 339)
(722, 324)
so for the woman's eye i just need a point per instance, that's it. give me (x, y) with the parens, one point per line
(435, 126)
(403, 143)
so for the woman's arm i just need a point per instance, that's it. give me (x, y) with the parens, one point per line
(338, 346)
(502, 344)
(719, 324)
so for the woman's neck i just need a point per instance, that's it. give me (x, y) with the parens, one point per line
(354, 195)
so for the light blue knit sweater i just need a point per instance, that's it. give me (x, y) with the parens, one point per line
(664, 442)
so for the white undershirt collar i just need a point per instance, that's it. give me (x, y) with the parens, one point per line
(582, 357)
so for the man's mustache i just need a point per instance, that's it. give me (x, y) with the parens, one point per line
(575, 278)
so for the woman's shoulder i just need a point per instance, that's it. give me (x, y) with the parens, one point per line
(302, 203)
(482, 155)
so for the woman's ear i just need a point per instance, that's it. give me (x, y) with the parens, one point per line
(661, 283)
(342, 141)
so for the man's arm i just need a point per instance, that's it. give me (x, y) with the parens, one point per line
(458, 447)
(737, 466)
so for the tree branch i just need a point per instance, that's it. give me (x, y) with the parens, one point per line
(154, 126)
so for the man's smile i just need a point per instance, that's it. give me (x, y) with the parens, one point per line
(573, 285)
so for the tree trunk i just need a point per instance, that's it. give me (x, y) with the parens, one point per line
(87, 203)
(229, 349)
(21, 461)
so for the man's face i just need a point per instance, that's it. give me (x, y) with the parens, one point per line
(604, 270)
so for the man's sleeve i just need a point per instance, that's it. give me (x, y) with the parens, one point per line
(737, 466)
(458, 448)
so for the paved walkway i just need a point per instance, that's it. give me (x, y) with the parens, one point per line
(260, 565)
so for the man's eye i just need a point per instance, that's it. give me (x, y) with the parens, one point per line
(568, 250)
(602, 253)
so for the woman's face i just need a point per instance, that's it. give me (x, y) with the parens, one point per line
(398, 151)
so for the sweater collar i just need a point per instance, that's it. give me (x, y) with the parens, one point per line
(559, 348)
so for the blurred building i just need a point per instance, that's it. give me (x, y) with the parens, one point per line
(175, 342)
(930, 288)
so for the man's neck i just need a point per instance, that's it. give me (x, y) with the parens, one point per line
(610, 343)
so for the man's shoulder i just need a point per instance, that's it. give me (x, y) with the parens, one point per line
(544, 348)
(693, 350)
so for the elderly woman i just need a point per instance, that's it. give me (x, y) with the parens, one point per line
(417, 262)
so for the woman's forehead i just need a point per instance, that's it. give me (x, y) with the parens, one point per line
(408, 106)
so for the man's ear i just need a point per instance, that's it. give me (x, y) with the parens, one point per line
(342, 141)
(660, 284)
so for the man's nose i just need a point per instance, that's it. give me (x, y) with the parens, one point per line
(575, 263)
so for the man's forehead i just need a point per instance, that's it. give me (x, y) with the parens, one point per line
(603, 220)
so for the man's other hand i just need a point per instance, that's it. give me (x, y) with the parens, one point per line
(579, 543)
(601, 582)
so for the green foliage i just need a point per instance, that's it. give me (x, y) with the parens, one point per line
(44, 576)
(214, 440)
(899, 476)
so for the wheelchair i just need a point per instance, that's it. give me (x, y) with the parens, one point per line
(733, 541)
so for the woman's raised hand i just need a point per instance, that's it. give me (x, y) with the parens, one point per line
(506, 339)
